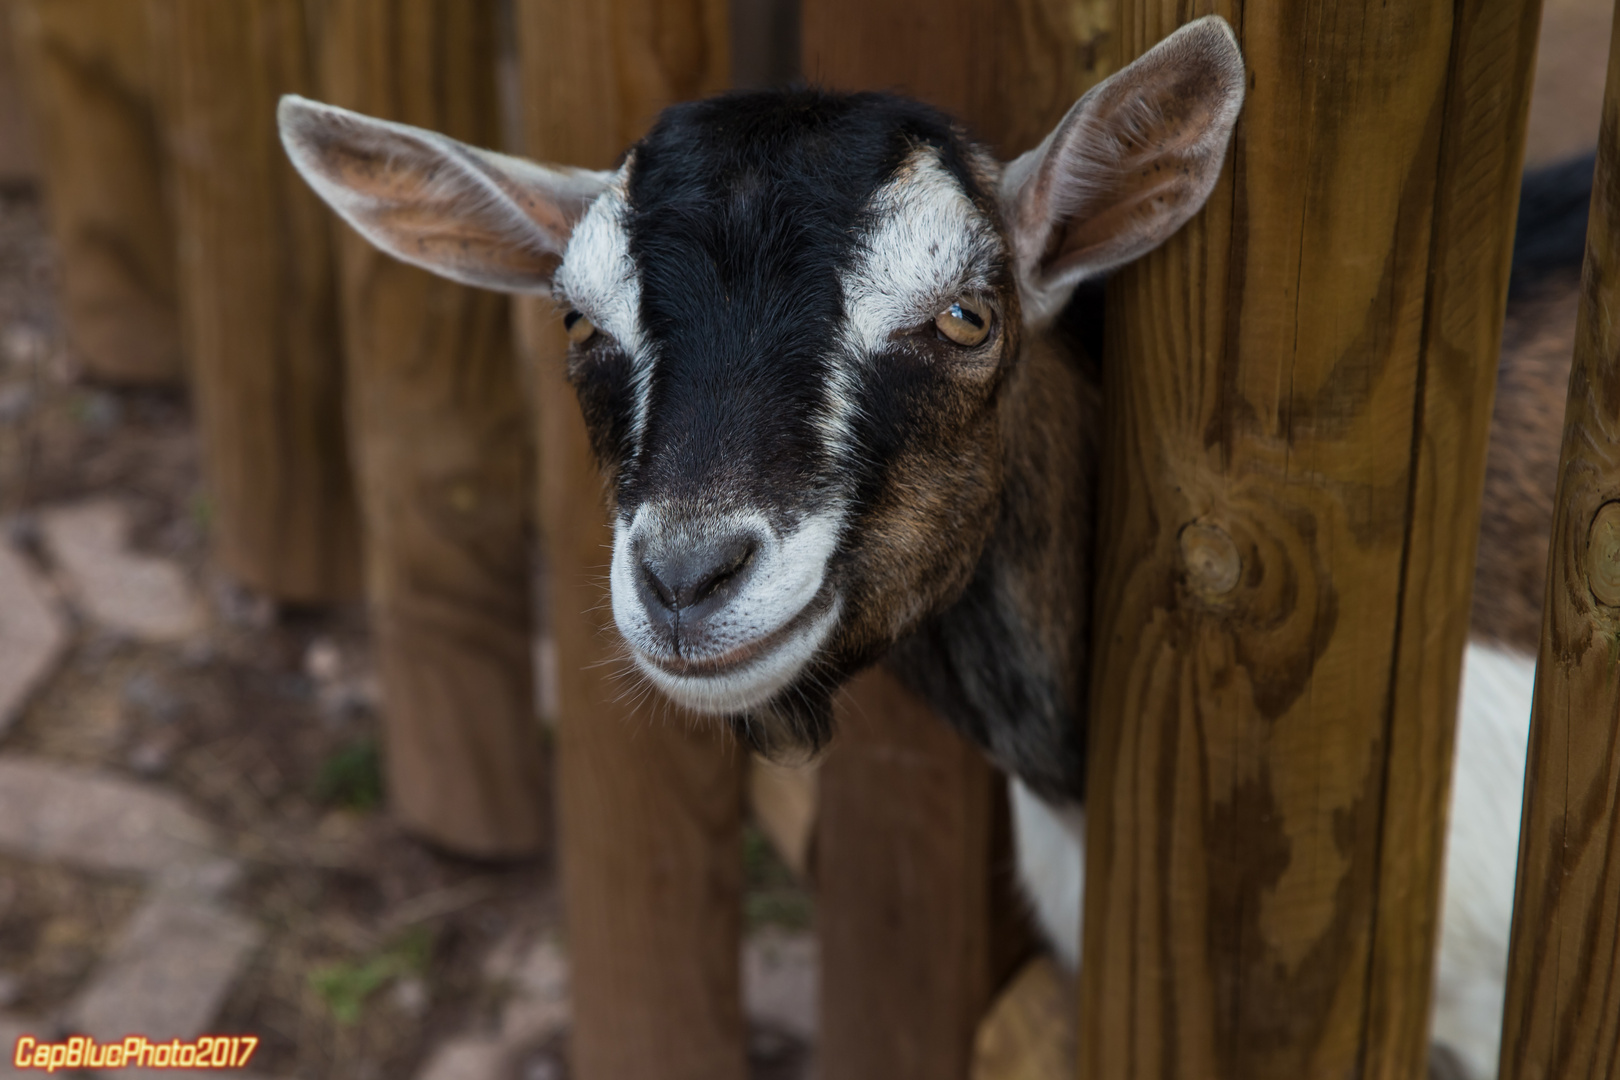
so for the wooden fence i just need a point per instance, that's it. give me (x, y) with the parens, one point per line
(1299, 393)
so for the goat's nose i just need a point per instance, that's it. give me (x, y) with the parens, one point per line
(691, 581)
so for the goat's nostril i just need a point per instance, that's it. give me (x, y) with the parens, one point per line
(659, 589)
(692, 575)
(724, 573)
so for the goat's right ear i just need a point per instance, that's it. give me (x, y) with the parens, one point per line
(1130, 163)
(473, 216)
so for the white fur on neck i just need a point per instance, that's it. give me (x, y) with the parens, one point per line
(1493, 731)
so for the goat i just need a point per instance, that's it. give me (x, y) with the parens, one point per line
(826, 354)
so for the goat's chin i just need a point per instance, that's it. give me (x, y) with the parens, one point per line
(749, 685)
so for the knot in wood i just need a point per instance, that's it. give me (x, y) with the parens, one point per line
(1211, 559)
(1603, 555)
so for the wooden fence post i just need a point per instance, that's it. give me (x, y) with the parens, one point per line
(914, 896)
(649, 809)
(19, 151)
(1562, 1018)
(438, 433)
(1300, 389)
(258, 299)
(88, 67)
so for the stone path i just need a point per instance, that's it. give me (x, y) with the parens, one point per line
(122, 590)
(32, 634)
(171, 968)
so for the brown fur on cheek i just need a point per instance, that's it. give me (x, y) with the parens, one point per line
(921, 540)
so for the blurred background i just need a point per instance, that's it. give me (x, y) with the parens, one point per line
(231, 575)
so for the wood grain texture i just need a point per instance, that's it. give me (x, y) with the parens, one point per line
(649, 800)
(442, 451)
(1306, 370)
(258, 300)
(911, 886)
(1562, 1018)
(89, 70)
(1009, 70)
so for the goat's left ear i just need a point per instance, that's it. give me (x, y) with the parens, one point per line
(1130, 163)
(471, 215)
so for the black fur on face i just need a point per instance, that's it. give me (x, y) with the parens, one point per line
(785, 387)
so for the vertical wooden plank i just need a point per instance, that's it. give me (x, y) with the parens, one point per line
(88, 69)
(913, 891)
(437, 428)
(19, 152)
(1300, 390)
(258, 300)
(905, 889)
(649, 801)
(1008, 70)
(1476, 202)
(1562, 1018)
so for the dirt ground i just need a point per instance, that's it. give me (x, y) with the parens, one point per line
(376, 948)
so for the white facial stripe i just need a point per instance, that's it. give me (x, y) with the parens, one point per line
(787, 577)
(599, 279)
(928, 245)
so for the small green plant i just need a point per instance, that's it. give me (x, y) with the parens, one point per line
(772, 895)
(345, 986)
(352, 777)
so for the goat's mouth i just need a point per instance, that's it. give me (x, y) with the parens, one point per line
(748, 675)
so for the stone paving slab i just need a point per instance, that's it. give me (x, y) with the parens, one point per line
(13, 1028)
(470, 1058)
(121, 590)
(33, 635)
(781, 980)
(81, 818)
(167, 976)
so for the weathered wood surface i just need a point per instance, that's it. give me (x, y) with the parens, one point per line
(88, 67)
(908, 889)
(1562, 1018)
(441, 448)
(649, 800)
(1300, 389)
(258, 299)
(913, 897)
(1009, 70)
(19, 150)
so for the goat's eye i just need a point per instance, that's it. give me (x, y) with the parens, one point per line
(966, 322)
(580, 329)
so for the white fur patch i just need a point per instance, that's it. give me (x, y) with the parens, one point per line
(927, 246)
(1493, 738)
(598, 279)
(1493, 734)
(1052, 866)
(787, 577)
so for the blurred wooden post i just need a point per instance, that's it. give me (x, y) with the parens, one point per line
(441, 449)
(258, 299)
(649, 809)
(1562, 1018)
(87, 65)
(915, 895)
(19, 152)
(1300, 389)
